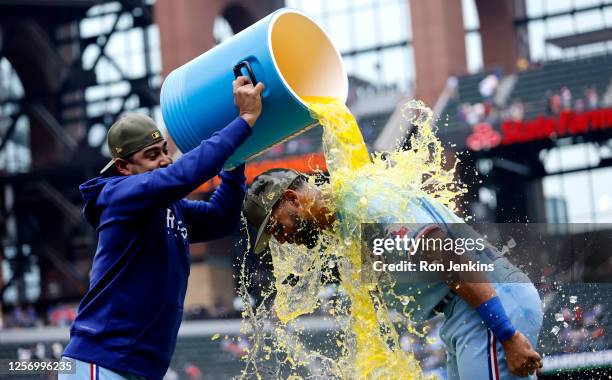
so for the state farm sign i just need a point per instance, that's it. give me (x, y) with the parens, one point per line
(567, 123)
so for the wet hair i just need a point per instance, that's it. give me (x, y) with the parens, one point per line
(302, 180)
(298, 183)
(130, 157)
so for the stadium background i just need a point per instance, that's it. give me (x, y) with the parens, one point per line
(69, 68)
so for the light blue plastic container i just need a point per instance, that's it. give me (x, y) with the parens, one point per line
(287, 51)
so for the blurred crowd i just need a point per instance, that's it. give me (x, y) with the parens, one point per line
(190, 372)
(581, 329)
(579, 325)
(561, 100)
(218, 310)
(429, 349)
(555, 101)
(28, 316)
(25, 316)
(39, 351)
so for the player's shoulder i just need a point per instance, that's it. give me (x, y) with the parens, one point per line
(440, 211)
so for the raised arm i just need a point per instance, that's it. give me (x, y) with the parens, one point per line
(136, 193)
(163, 186)
(220, 215)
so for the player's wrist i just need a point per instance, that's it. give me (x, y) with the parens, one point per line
(494, 316)
(511, 341)
(249, 118)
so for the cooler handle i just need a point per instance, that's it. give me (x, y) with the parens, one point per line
(238, 71)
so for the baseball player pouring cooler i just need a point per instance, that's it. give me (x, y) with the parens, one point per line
(128, 321)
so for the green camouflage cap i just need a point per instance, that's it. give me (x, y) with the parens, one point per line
(266, 189)
(129, 134)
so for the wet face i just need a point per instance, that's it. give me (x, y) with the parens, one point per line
(153, 157)
(291, 220)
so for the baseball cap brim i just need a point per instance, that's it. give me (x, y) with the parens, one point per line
(263, 238)
(108, 166)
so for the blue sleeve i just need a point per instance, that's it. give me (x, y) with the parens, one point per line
(158, 188)
(220, 215)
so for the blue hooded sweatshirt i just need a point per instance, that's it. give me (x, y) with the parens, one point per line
(129, 319)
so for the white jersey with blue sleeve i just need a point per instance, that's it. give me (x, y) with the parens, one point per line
(472, 350)
(372, 202)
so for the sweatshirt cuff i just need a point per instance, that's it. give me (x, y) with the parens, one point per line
(236, 173)
(235, 176)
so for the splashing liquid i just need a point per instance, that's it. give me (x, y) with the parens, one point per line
(368, 343)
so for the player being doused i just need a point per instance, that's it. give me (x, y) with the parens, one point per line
(490, 326)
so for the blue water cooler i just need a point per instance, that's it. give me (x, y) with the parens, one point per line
(287, 51)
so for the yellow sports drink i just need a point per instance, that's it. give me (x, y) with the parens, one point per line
(368, 343)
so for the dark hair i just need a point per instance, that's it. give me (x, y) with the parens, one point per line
(130, 157)
(298, 183)
(113, 171)
(302, 180)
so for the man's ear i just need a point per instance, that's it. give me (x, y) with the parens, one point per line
(291, 196)
(123, 167)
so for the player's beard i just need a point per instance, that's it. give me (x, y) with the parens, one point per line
(307, 233)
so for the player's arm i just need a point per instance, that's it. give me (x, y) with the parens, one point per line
(522, 359)
(220, 215)
(172, 183)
